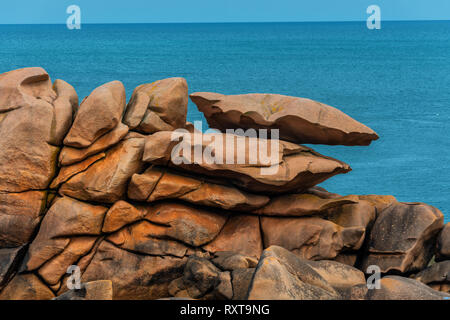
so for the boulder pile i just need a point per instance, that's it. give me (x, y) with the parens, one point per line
(93, 187)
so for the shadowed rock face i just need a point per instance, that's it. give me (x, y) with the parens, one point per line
(140, 226)
(443, 244)
(299, 120)
(403, 238)
(294, 167)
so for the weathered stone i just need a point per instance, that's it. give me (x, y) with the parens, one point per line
(302, 205)
(200, 276)
(98, 114)
(240, 234)
(69, 155)
(147, 238)
(443, 244)
(288, 167)
(403, 238)
(228, 260)
(66, 218)
(436, 276)
(281, 275)
(27, 159)
(53, 270)
(20, 213)
(23, 87)
(26, 287)
(400, 288)
(158, 184)
(65, 106)
(68, 172)
(379, 202)
(349, 282)
(299, 120)
(190, 225)
(310, 238)
(119, 215)
(135, 277)
(94, 290)
(107, 180)
(158, 106)
(224, 290)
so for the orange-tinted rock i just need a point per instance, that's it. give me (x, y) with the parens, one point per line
(98, 114)
(299, 120)
(147, 238)
(310, 238)
(27, 160)
(443, 243)
(26, 287)
(119, 215)
(68, 172)
(403, 237)
(22, 87)
(229, 261)
(158, 106)
(157, 184)
(66, 218)
(361, 214)
(240, 234)
(53, 270)
(134, 277)
(436, 276)
(379, 202)
(292, 167)
(20, 213)
(69, 155)
(193, 226)
(302, 205)
(107, 180)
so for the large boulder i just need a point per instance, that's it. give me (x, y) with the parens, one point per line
(9, 260)
(281, 275)
(133, 276)
(158, 184)
(403, 238)
(158, 106)
(311, 238)
(288, 167)
(299, 120)
(400, 288)
(443, 243)
(98, 114)
(107, 180)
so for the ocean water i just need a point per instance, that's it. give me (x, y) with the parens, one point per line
(395, 80)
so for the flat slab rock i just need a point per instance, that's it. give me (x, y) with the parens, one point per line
(299, 120)
(293, 167)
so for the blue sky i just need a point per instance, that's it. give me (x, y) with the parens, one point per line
(138, 11)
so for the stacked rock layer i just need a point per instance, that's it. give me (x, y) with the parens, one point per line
(94, 186)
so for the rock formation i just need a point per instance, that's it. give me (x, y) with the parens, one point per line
(116, 193)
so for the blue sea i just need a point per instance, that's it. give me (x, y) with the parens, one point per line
(395, 80)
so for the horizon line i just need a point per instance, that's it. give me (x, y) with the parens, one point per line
(230, 22)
